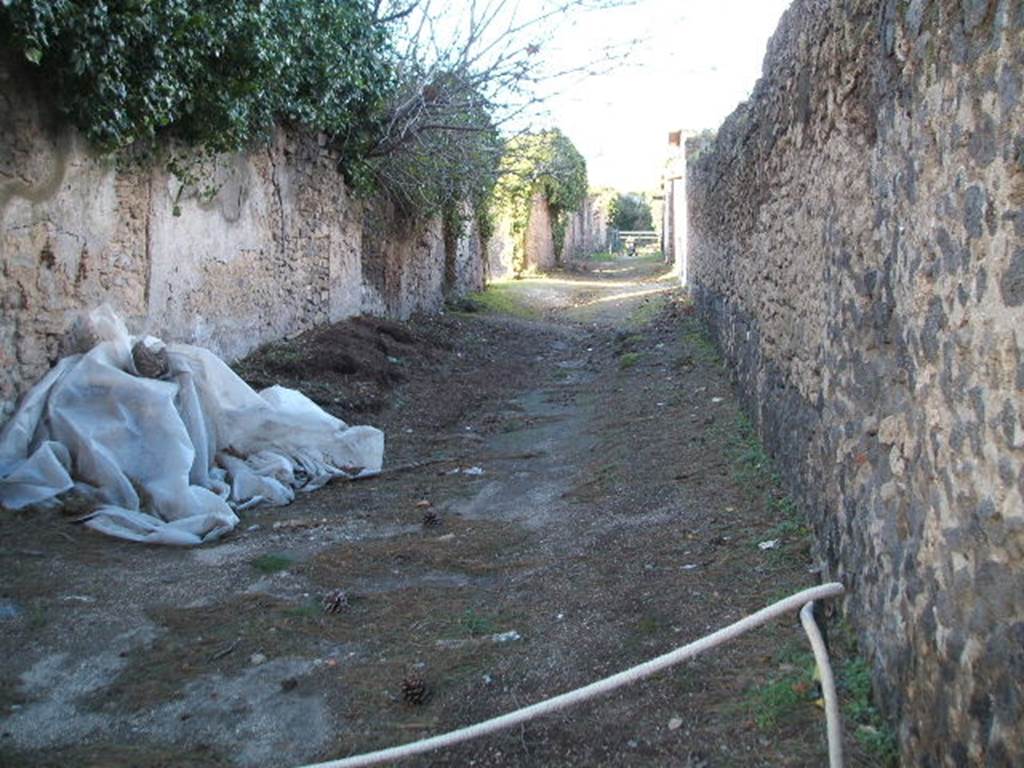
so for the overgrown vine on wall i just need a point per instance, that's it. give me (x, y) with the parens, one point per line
(546, 162)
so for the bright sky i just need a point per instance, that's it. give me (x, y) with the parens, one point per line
(699, 60)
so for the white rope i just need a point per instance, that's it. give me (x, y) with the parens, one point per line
(580, 695)
(828, 686)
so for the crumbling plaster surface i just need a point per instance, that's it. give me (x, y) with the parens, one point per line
(857, 246)
(265, 244)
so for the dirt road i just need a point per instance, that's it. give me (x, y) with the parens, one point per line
(571, 490)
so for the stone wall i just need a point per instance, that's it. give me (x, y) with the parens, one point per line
(857, 247)
(540, 241)
(268, 244)
(586, 233)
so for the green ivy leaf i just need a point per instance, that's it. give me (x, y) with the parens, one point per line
(35, 55)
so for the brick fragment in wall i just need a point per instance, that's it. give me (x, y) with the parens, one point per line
(855, 245)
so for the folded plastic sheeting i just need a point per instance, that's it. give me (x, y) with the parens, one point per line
(169, 460)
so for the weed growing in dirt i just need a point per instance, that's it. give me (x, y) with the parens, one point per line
(753, 470)
(773, 703)
(628, 360)
(648, 625)
(648, 310)
(752, 467)
(310, 609)
(282, 356)
(695, 336)
(504, 299)
(872, 733)
(38, 618)
(791, 526)
(476, 625)
(272, 563)
(781, 699)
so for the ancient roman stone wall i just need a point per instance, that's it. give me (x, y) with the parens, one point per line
(857, 247)
(540, 241)
(586, 233)
(260, 246)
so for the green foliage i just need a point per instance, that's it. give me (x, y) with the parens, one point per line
(504, 299)
(216, 73)
(545, 162)
(476, 625)
(695, 335)
(630, 212)
(272, 563)
(783, 697)
(628, 360)
(873, 733)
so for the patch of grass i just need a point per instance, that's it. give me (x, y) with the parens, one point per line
(603, 257)
(648, 310)
(651, 257)
(272, 563)
(648, 625)
(628, 360)
(310, 609)
(775, 702)
(752, 467)
(872, 732)
(282, 356)
(38, 617)
(699, 342)
(476, 625)
(504, 299)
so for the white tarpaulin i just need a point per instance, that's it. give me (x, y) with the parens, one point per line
(168, 460)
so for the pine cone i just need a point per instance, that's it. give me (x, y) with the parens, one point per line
(336, 601)
(150, 362)
(414, 690)
(431, 519)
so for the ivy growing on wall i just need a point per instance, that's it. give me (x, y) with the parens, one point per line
(546, 162)
(218, 74)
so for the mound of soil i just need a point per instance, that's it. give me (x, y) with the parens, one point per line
(348, 367)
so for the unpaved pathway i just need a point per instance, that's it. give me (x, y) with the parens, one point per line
(599, 501)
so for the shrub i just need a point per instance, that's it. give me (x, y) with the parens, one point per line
(216, 73)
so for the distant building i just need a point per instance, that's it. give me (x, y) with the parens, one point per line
(673, 217)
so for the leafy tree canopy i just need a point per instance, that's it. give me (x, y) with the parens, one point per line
(630, 212)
